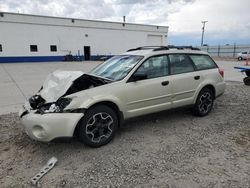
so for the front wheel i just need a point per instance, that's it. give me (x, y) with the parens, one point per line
(240, 58)
(204, 102)
(98, 126)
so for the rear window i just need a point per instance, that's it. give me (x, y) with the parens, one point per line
(202, 62)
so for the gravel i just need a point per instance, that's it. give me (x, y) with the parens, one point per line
(167, 149)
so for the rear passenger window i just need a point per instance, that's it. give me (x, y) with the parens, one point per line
(202, 62)
(180, 63)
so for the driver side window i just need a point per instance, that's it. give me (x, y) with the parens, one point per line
(154, 67)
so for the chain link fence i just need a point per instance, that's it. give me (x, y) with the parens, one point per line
(225, 50)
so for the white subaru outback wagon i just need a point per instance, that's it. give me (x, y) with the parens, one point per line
(144, 80)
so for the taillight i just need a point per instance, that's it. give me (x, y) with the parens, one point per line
(221, 71)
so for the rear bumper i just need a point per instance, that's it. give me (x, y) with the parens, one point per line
(220, 88)
(47, 127)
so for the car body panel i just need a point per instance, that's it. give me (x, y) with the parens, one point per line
(145, 96)
(183, 87)
(53, 125)
(57, 83)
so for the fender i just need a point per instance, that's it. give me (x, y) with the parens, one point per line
(201, 86)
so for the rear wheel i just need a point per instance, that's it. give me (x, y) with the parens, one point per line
(204, 102)
(240, 58)
(98, 126)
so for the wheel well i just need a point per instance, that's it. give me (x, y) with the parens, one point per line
(211, 88)
(112, 106)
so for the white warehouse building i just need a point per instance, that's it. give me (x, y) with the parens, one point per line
(33, 38)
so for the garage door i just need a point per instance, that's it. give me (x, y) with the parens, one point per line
(154, 40)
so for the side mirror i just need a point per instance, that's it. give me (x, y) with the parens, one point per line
(139, 76)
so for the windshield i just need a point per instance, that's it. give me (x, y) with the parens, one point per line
(117, 67)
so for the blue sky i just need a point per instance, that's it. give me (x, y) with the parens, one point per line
(228, 20)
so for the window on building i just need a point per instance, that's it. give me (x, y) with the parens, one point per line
(1, 49)
(33, 48)
(53, 48)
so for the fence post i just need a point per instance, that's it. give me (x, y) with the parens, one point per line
(234, 50)
(218, 50)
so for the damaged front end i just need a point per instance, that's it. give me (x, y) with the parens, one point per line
(52, 97)
(47, 115)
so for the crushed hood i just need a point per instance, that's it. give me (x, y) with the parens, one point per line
(57, 83)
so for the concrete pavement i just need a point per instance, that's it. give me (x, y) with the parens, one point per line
(19, 81)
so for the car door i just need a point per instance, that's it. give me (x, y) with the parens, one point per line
(150, 94)
(185, 80)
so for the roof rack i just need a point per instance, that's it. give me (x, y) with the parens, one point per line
(183, 47)
(159, 48)
(147, 48)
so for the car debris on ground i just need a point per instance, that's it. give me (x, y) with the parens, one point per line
(50, 164)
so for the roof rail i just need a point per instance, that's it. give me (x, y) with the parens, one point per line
(154, 48)
(183, 47)
(159, 48)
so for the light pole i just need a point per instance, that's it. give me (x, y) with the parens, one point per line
(203, 28)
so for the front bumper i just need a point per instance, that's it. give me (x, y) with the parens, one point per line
(46, 127)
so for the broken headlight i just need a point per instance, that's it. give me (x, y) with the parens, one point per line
(36, 101)
(55, 107)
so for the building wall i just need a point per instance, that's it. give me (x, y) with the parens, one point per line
(19, 31)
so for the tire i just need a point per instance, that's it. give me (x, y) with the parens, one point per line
(240, 58)
(98, 126)
(204, 102)
(246, 81)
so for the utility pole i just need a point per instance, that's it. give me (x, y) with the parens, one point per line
(203, 29)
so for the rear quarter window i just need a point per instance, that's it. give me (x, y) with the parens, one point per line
(202, 62)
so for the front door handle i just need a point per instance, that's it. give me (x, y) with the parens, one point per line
(165, 83)
(197, 77)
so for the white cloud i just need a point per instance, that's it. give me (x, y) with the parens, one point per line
(226, 18)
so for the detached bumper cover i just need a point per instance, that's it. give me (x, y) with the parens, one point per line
(47, 127)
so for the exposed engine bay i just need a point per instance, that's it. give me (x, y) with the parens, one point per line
(52, 95)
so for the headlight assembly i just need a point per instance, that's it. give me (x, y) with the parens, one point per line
(55, 107)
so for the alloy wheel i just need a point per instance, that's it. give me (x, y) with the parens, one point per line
(99, 127)
(205, 102)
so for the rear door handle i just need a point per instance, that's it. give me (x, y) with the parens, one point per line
(197, 77)
(165, 83)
